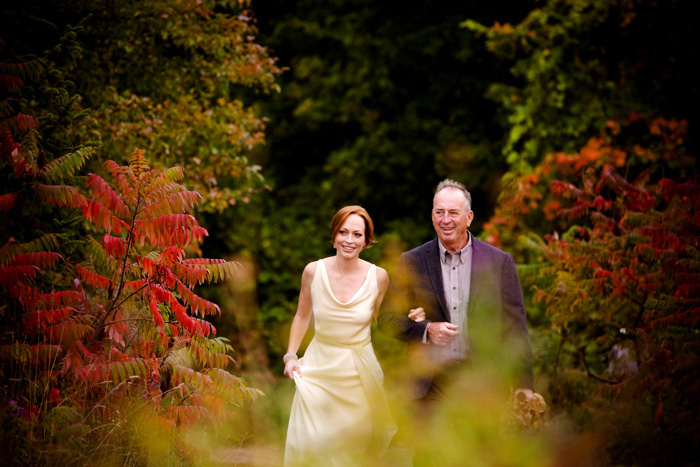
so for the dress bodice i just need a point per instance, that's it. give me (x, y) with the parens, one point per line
(341, 323)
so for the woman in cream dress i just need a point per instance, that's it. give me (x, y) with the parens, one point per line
(339, 413)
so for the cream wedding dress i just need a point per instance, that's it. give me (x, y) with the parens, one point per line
(340, 411)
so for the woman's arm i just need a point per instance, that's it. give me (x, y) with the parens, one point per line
(300, 324)
(383, 285)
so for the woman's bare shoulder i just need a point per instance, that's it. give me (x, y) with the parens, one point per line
(382, 278)
(309, 271)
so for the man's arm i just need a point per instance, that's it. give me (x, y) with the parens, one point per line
(515, 323)
(393, 317)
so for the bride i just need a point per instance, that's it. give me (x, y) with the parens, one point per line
(340, 412)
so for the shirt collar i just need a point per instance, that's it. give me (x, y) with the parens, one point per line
(464, 253)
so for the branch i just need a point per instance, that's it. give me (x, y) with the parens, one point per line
(126, 256)
(641, 311)
(555, 383)
(127, 319)
(102, 323)
(585, 365)
(116, 307)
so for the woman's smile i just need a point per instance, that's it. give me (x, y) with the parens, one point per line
(350, 239)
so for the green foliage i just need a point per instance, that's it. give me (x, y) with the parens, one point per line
(580, 63)
(378, 104)
(169, 77)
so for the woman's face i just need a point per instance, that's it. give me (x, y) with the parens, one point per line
(350, 240)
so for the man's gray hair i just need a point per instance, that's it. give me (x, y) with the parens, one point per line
(447, 183)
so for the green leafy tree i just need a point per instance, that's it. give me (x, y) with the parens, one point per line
(580, 63)
(173, 78)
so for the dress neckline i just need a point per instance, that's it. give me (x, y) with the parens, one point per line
(327, 281)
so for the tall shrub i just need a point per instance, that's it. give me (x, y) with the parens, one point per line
(615, 286)
(129, 329)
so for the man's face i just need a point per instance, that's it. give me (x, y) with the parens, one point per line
(451, 218)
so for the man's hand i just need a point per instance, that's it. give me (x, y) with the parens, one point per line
(417, 314)
(442, 333)
(522, 397)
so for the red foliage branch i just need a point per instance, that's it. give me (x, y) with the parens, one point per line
(7, 202)
(33, 320)
(11, 275)
(134, 298)
(92, 278)
(173, 229)
(41, 259)
(114, 246)
(102, 217)
(106, 196)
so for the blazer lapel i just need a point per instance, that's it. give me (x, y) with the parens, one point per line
(432, 260)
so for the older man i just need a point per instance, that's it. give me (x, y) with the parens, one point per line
(471, 296)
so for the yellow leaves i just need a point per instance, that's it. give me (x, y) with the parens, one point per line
(187, 414)
(218, 134)
(63, 196)
(528, 414)
(175, 203)
(174, 174)
(138, 163)
(210, 352)
(119, 372)
(67, 165)
(219, 268)
(234, 387)
(189, 376)
(191, 276)
(505, 28)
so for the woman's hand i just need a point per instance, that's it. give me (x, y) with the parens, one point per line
(417, 314)
(290, 367)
